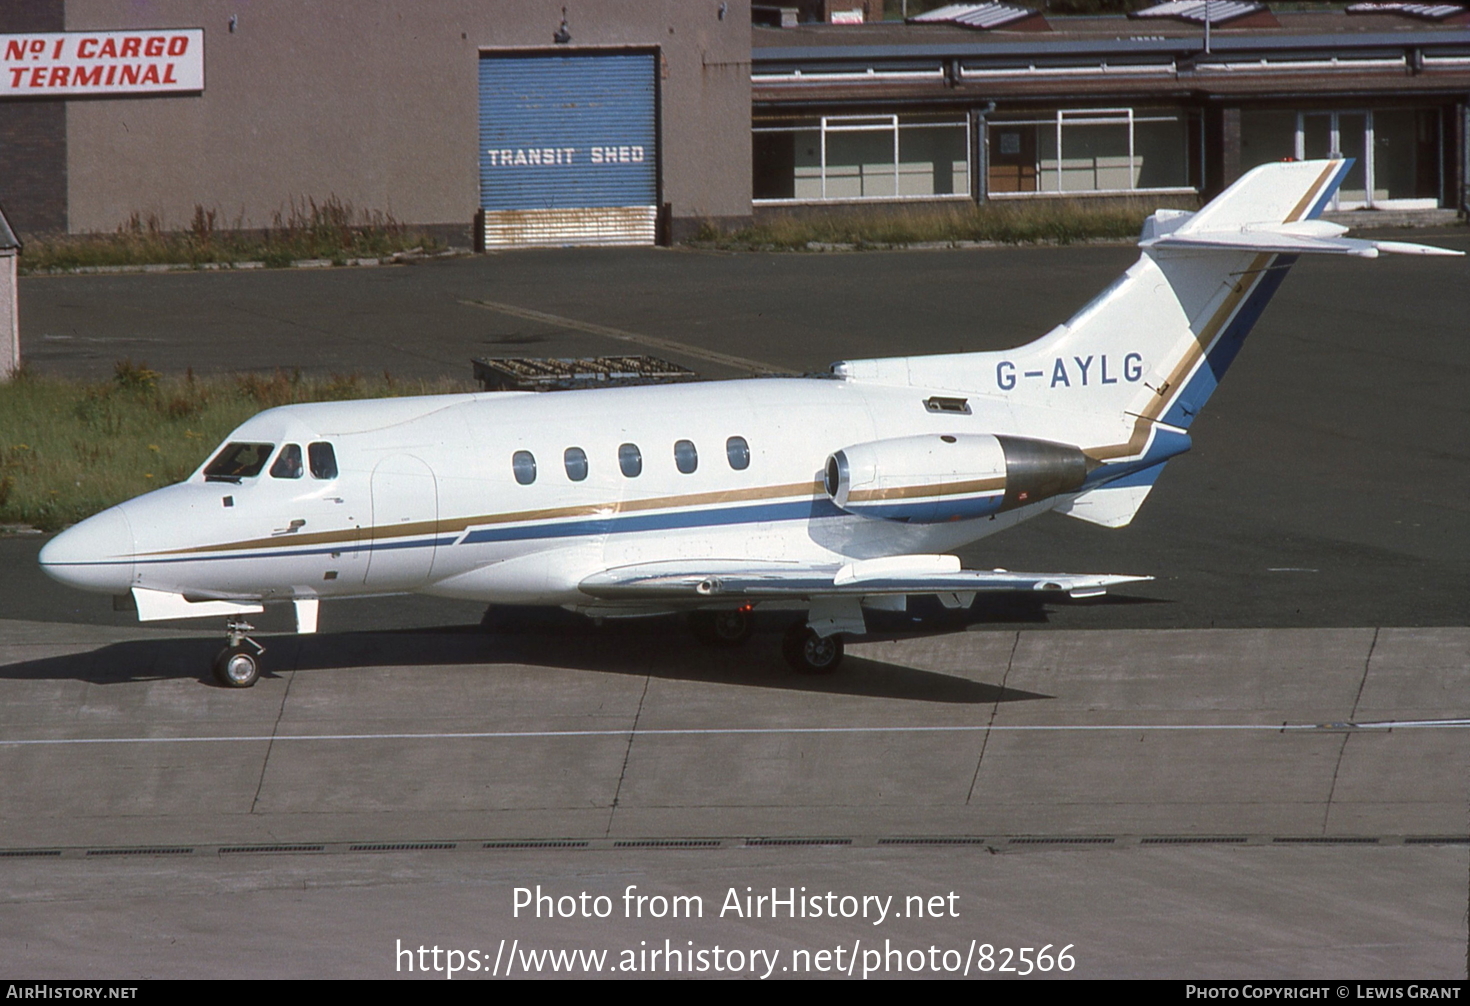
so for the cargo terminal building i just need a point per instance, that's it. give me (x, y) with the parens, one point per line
(529, 122)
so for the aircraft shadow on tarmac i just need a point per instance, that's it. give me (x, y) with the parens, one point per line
(661, 648)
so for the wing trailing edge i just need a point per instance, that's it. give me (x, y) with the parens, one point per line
(743, 580)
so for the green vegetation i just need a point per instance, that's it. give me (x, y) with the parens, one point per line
(1016, 222)
(71, 448)
(329, 230)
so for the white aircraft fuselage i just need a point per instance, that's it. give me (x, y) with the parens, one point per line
(837, 492)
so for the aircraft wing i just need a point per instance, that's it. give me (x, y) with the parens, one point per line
(754, 580)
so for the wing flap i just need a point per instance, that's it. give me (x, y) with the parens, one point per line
(745, 580)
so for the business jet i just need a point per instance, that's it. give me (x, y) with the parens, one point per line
(836, 493)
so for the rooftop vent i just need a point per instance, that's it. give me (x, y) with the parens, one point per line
(1450, 13)
(985, 17)
(1236, 13)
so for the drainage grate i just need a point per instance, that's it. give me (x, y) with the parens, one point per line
(1036, 840)
(28, 853)
(175, 851)
(1323, 840)
(230, 850)
(933, 841)
(402, 846)
(1427, 840)
(534, 845)
(670, 843)
(1195, 840)
(797, 841)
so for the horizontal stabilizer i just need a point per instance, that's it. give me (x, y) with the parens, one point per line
(1302, 237)
(712, 580)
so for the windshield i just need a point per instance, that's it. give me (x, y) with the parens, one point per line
(238, 461)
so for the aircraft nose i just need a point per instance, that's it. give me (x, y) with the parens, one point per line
(96, 554)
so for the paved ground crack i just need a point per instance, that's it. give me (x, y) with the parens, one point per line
(1352, 717)
(994, 710)
(275, 729)
(627, 753)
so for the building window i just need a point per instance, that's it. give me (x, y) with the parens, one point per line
(856, 157)
(1397, 151)
(1090, 150)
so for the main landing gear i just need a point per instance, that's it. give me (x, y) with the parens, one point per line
(804, 650)
(808, 653)
(238, 664)
(722, 628)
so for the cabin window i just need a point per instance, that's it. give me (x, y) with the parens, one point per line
(576, 461)
(686, 458)
(238, 461)
(738, 451)
(288, 463)
(630, 460)
(323, 461)
(523, 463)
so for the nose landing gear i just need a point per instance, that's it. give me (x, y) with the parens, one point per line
(238, 664)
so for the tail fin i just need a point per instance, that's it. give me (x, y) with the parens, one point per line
(1126, 376)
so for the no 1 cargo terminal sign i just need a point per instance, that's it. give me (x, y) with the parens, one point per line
(78, 63)
(568, 147)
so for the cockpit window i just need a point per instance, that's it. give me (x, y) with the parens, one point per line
(238, 461)
(288, 463)
(323, 461)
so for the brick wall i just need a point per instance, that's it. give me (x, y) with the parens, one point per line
(33, 136)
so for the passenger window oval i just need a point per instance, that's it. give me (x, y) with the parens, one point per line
(738, 451)
(323, 461)
(576, 461)
(523, 463)
(288, 463)
(686, 458)
(630, 460)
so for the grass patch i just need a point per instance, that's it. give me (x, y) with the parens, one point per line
(69, 449)
(1029, 222)
(331, 230)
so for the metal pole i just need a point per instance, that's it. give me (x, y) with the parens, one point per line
(1207, 27)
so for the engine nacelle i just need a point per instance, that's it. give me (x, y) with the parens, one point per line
(933, 478)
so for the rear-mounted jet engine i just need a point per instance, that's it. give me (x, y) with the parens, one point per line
(935, 478)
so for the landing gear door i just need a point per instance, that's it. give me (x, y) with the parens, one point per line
(405, 523)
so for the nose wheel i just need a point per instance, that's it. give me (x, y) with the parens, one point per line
(238, 664)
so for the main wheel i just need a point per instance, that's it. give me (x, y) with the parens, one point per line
(721, 628)
(809, 653)
(236, 667)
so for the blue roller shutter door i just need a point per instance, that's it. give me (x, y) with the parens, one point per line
(568, 148)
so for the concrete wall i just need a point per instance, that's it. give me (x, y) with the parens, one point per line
(376, 102)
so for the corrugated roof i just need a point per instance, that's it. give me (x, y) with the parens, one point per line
(1427, 11)
(1219, 11)
(984, 16)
